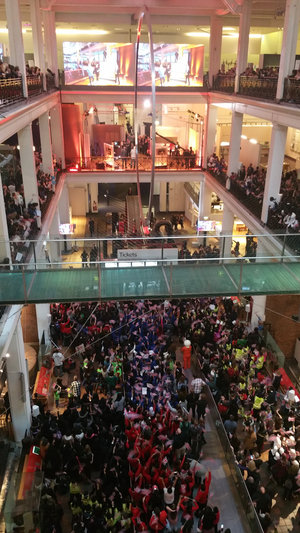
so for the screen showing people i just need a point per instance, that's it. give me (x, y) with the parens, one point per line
(114, 64)
(176, 65)
(98, 63)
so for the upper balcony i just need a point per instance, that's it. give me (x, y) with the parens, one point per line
(263, 88)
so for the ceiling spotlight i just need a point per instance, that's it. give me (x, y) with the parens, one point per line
(253, 141)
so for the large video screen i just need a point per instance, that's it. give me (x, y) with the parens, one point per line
(176, 65)
(98, 63)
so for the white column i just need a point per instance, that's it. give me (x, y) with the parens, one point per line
(215, 46)
(209, 133)
(227, 229)
(28, 165)
(258, 310)
(55, 246)
(57, 134)
(46, 144)
(204, 209)
(18, 385)
(243, 43)
(4, 237)
(94, 197)
(15, 39)
(289, 43)
(63, 206)
(235, 142)
(37, 37)
(43, 320)
(275, 164)
(50, 42)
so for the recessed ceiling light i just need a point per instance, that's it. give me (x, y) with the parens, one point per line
(73, 31)
(197, 34)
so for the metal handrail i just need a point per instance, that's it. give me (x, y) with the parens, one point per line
(247, 503)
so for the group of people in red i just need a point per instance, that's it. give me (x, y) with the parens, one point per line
(169, 485)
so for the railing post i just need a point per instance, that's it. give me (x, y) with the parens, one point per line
(241, 275)
(99, 279)
(284, 244)
(24, 284)
(162, 249)
(34, 255)
(171, 279)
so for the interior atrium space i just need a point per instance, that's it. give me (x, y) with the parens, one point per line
(149, 266)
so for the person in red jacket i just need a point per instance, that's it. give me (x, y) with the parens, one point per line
(203, 491)
(158, 520)
(187, 352)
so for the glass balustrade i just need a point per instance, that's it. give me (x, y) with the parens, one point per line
(77, 267)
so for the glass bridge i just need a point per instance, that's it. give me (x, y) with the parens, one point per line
(53, 270)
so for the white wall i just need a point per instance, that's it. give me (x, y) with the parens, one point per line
(77, 197)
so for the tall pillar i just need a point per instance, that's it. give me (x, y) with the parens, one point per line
(63, 206)
(18, 385)
(46, 144)
(274, 170)
(15, 39)
(28, 165)
(50, 42)
(289, 44)
(243, 43)
(235, 142)
(204, 209)
(37, 37)
(43, 320)
(57, 134)
(258, 310)
(4, 237)
(215, 46)
(227, 229)
(209, 133)
(93, 197)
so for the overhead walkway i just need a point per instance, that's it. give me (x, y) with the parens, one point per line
(162, 281)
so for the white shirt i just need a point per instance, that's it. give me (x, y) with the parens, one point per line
(58, 358)
(168, 497)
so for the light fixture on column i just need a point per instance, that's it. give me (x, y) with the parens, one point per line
(7, 355)
(147, 103)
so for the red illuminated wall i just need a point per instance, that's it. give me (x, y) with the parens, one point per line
(127, 62)
(197, 56)
(72, 123)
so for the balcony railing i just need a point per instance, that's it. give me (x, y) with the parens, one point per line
(34, 85)
(11, 91)
(291, 91)
(264, 88)
(50, 82)
(224, 83)
(119, 163)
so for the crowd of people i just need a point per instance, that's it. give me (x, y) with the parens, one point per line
(127, 447)
(8, 71)
(284, 211)
(126, 443)
(250, 71)
(23, 221)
